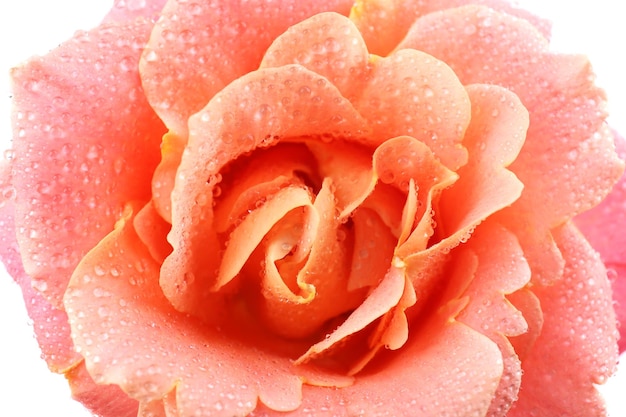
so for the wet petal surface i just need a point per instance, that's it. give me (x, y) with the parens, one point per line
(70, 187)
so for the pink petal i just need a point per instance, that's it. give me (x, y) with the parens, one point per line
(527, 302)
(328, 44)
(411, 93)
(565, 165)
(493, 139)
(384, 23)
(197, 48)
(502, 270)
(604, 227)
(485, 185)
(50, 324)
(81, 123)
(131, 336)
(577, 346)
(102, 400)
(129, 10)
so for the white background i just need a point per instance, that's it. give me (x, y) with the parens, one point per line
(27, 27)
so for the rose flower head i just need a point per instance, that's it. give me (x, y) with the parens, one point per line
(297, 208)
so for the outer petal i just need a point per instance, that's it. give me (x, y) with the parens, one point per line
(81, 123)
(567, 163)
(502, 270)
(494, 139)
(328, 44)
(604, 227)
(197, 48)
(102, 400)
(51, 328)
(131, 336)
(384, 23)
(577, 346)
(128, 10)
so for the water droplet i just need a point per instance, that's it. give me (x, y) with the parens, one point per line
(428, 92)
(127, 64)
(39, 285)
(151, 56)
(469, 29)
(103, 311)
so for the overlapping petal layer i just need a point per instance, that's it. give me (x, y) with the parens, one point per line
(200, 47)
(604, 226)
(567, 151)
(127, 331)
(384, 23)
(50, 324)
(318, 211)
(558, 380)
(81, 122)
(259, 109)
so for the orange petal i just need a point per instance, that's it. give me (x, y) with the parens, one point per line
(384, 23)
(392, 330)
(324, 298)
(249, 182)
(372, 251)
(247, 235)
(578, 329)
(350, 169)
(429, 376)
(131, 336)
(152, 409)
(485, 185)
(382, 299)
(172, 147)
(328, 44)
(527, 302)
(399, 161)
(493, 139)
(197, 48)
(412, 93)
(259, 109)
(153, 230)
(81, 124)
(385, 201)
(566, 142)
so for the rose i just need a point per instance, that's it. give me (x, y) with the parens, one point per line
(105, 287)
